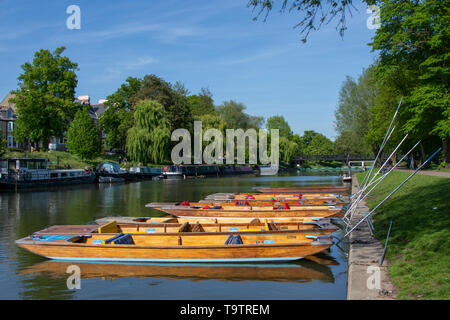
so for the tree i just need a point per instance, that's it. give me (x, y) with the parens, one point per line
(288, 149)
(201, 104)
(356, 98)
(235, 117)
(118, 116)
(172, 98)
(278, 122)
(413, 41)
(3, 149)
(315, 143)
(83, 136)
(148, 141)
(290, 144)
(313, 14)
(45, 97)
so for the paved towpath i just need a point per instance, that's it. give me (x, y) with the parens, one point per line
(434, 173)
(366, 279)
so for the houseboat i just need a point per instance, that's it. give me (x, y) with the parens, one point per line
(108, 172)
(183, 171)
(24, 173)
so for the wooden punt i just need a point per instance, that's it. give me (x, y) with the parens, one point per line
(256, 226)
(318, 189)
(292, 203)
(179, 248)
(182, 220)
(276, 196)
(255, 212)
(291, 272)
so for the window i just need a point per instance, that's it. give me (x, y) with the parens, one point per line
(10, 126)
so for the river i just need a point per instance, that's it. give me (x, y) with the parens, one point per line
(27, 276)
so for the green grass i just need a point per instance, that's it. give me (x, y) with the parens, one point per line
(60, 159)
(419, 244)
(438, 168)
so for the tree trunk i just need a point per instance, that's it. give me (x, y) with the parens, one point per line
(446, 151)
(375, 152)
(394, 158)
(422, 152)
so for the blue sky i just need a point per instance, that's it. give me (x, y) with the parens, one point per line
(202, 43)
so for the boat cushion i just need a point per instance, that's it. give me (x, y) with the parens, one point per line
(51, 237)
(234, 239)
(110, 227)
(120, 239)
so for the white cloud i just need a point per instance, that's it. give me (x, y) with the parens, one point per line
(257, 56)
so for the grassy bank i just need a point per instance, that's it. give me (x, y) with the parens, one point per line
(60, 159)
(419, 244)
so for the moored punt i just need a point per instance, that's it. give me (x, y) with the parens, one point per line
(317, 189)
(280, 196)
(165, 229)
(195, 247)
(255, 212)
(272, 202)
(182, 220)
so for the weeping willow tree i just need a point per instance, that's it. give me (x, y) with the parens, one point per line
(149, 140)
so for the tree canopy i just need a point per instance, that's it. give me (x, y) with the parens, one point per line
(118, 116)
(172, 99)
(312, 14)
(45, 98)
(235, 117)
(202, 103)
(83, 136)
(147, 141)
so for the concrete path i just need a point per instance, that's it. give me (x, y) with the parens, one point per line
(434, 173)
(366, 279)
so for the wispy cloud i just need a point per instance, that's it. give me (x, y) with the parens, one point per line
(123, 68)
(138, 63)
(265, 54)
(162, 31)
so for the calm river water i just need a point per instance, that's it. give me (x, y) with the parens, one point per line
(27, 276)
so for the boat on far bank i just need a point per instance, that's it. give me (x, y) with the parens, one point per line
(28, 173)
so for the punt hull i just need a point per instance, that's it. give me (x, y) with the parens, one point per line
(174, 254)
(268, 214)
(172, 219)
(304, 190)
(257, 203)
(277, 196)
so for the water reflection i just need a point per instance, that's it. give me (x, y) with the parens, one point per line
(302, 271)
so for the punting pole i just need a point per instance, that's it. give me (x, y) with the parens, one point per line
(385, 137)
(377, 182)
(385, 244)
(361, 191)
(383, 144)
(387, 161)
(388, 196)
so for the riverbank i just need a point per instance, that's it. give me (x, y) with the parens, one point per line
(419, 243)
(363, 261)
(59, 159)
